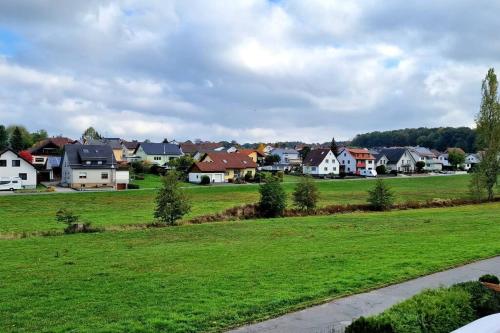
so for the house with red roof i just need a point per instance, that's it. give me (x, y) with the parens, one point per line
(354, 160)
(47, 156)
(222, 167)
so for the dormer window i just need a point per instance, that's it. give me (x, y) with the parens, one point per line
(99, 162)
(88, 162)
(86, 151)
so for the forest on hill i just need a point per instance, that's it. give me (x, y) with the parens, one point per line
(438, 138)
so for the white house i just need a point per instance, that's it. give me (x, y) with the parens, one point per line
(321, 162)
(471, 160)
(432, 163)
(13, 165)
(399, 159)
(158, 153)
(355, 160)
(92, 166)
(287, 156)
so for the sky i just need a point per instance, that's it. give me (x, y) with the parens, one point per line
(244, 70)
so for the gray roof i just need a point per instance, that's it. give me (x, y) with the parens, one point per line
(79, 156)
(377, 156)
(393, 154)
(284, 150)
(316, 156)
(161, 149)
(114, 143)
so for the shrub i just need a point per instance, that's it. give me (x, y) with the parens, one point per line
(71, 220)
(280, 175)
(381, 170)
(248, 176)
(380, 197)
(483, 300)
(259, 177)
(306, 194)
(155, 169)
(205, 180)
(272, 198)
(171, 202)
(137, 166)
(489, 278)
(369, 325)
(420, 165)
(133, 186)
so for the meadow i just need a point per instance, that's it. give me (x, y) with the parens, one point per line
(35, 213)
(211, 277)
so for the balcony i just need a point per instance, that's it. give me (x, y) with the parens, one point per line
(361, 165)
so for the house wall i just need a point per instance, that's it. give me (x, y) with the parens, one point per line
(118, 153)
(345, 158)
(215, 177)
(405, 164)
(24, 168)
(382, 161)
(155, 159)
(93, 178)
(329, 165)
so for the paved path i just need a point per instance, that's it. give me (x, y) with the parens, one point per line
(337, 314)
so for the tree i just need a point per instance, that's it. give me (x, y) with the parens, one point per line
(420, 166)
(26, 139)
(381, 169)
(381, 196)
(272, 198)
(304, 151)
(182, 165)
(39, 135)
(306, 194)
(171, 202)
(477, 185)
(165, 140)
(333, 147)
(90, 134)
(272, 159)
(16, 140)
(488, 130)
(456, 158)
(4, 138)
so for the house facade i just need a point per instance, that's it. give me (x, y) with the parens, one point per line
(92, 166)
(432, 163)
(355, 160)
(158, 153)
(13, 165)
(287, 156)
(399, 159)
(47, 155)
(222, 167)
(320, 162)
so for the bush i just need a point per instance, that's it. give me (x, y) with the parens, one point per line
(155, 169)
(259, 177)
(489, 278)
(380, 197)
(137, 166)
(420, 165)
(248, 176)
(381, 170)
(71, 220)
(306, 194)
(133, 186)
(272, 198)
(438, 310)
(205, 180)
(280, 175)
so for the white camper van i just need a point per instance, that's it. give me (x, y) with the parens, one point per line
(368, 173)
(10, 183)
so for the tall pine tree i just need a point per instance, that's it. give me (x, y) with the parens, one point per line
(16, 140)
(4, 138)
(333, 147)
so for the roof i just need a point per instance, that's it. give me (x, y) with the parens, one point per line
(423, 152)
(114, 143)
(360, 153)
(160, 148)
(315, 157)
(393, 154)
(191, 148)
(54, 161)
(283, 151)
(220, 161)
(58, 141)
(78, 155)
(378, 156)
(250, 151)
(131, 144)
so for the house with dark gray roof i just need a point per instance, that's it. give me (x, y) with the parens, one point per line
(399, 159)
(158, 153)
(92, 166)
(321, 162)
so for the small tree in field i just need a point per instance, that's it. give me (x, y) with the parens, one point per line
(306, 194)
(171, 202)
(272, 198)
(381, 196)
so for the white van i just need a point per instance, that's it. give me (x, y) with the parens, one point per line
(10, 183)
(368, 173)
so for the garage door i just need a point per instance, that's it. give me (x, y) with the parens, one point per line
(217, 178)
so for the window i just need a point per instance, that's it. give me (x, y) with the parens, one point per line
(83, 175)
(88, 162)
(99, 162)
(370, 162)
(104, 175)
(3, 163)
(326, 168)
(327, 161)
(157, 158)
(313, 168)
(16, 163)
(334, 168)
(23, 176)
(348, 162)
(39, 159)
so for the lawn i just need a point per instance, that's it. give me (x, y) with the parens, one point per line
(31, 213)
(211, 277)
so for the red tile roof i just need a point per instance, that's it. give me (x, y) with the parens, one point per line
(221, 161)
(361, 153)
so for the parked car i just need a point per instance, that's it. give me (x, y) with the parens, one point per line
(368, 173)
(10, 183)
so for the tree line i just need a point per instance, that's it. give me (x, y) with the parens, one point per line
(438, 138)
(19, 138)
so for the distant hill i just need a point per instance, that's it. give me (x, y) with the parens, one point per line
(438, 138)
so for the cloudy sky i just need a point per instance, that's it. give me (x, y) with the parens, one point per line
(248, 70)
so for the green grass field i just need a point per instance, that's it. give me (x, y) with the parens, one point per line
(31, 213)
(211, 277)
